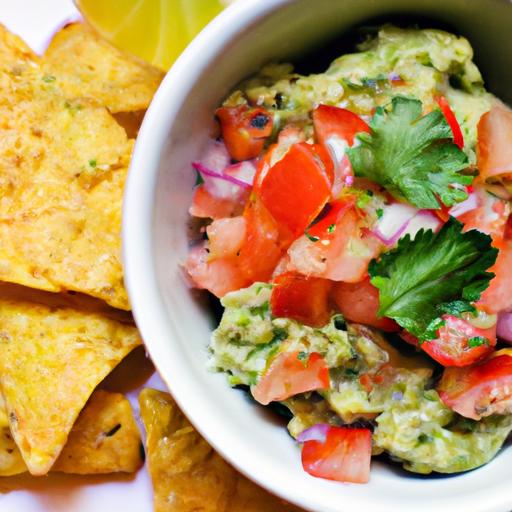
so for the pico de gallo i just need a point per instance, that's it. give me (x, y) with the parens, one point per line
(356, 226)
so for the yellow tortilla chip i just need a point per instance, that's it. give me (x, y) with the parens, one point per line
(15, 55)
(85, 65)
(104, 439)
(51, 360)
(62, 170)
(11, 462)
(186, 473)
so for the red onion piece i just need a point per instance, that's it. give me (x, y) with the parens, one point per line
(216, 157)
(394, 221)
(422, 220)
(242, 171)
(504, 330)
(343, 175)
(317, 432)
(220, 185)
(471, 203)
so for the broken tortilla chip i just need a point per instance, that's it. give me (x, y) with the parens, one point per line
(104, 439)
(83, 64)
(186, 472)
(51, 360)
(63, 165)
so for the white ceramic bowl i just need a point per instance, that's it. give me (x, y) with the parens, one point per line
(176, 324)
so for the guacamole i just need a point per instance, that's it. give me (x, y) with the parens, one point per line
(374, 378)
(412, 424)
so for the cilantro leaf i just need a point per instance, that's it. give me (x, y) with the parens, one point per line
(434, 274)
(412, 156)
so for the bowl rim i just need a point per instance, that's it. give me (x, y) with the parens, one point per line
(138, 250)
(138, 240)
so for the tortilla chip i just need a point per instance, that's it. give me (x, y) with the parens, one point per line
(62, 171)
(11, 462)
(186, 473)
(85, 65)
(104, 439)
(51, 360)
(15, 55)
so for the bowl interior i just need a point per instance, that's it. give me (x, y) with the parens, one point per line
(176, 322)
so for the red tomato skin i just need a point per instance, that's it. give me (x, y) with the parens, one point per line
(450, 348)
(243, 137)
(336, 210)
(301, 298)
(295, 189)
(331, 121)
(288, 376)
(468, 390)
(344, 456)
(261, 251)
(458, 138)
(359, 303)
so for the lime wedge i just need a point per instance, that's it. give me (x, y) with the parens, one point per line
(155, 30)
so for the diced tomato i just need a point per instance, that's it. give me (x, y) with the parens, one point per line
(325, 227)
(236, 263)
(244, 130)
(452, 346)
(458, 138)
(479, 390)
(498, 296)
(296, 188)
(217, 276)
(205, 205)
(289, 374)
(344, 455)
(359, 303)
(261, 249)
(490, 216)
(344, 257)
(301, 298)
(508, 228)
(494, 150)
(226, 236)
(332, 121)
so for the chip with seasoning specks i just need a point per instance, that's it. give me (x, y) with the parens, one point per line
(186, 472)
(51, 360)
(63, 163)
(82, 64)
(104, 439)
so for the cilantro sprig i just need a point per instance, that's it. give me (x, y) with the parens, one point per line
(411, 155)
(432, 275)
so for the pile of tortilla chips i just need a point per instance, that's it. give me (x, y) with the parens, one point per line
(63, 161)
(67, 125)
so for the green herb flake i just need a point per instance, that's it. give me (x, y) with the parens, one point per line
(48, 79)
(477, 341)
(380, 213)
(92, 163)
(412, 156)
(423, 278)
(331, 228)
(311, 237)
(260, 311)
